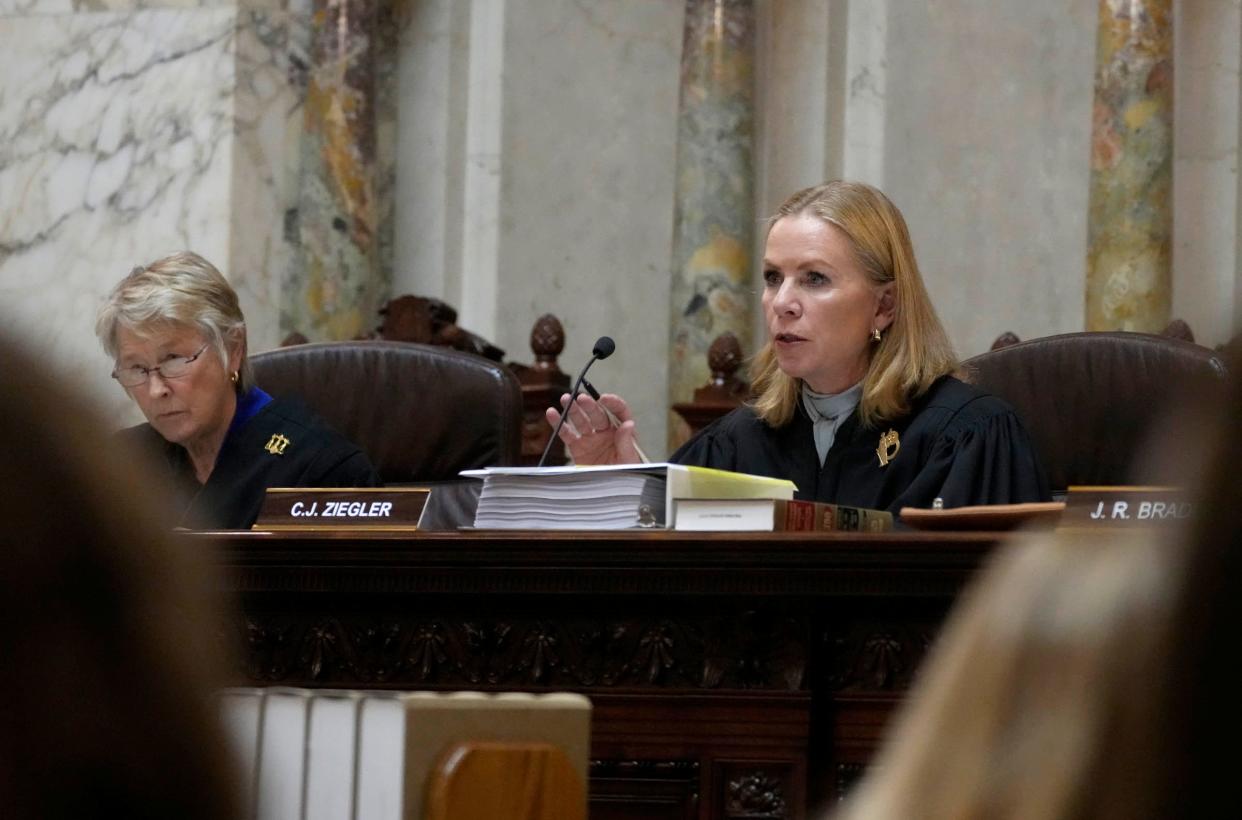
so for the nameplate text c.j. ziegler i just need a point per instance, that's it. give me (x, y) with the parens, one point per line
(342, 508)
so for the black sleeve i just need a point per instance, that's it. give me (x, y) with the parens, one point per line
(710, 447)
(354, 470)
(989, 461)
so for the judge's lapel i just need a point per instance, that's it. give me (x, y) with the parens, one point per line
(265, 442)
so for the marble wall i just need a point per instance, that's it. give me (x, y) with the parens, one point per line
(1207, 189)
(1130, 211)
(977, 120)
(128, 131)
(986, 145)
(712, 276)
(535, 149)
(538, 177)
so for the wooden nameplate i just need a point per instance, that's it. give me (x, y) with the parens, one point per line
(334, 509)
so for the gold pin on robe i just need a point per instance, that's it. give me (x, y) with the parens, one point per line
(276, 444)
(890, 443)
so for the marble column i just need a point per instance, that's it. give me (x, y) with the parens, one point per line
(714, 217)
(1130, 220)
(339, 284)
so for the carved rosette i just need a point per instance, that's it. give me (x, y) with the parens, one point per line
(747, 652)
(876, 657)
(755, 795)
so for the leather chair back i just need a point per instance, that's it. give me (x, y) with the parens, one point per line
(421, 413)
(1089, 399)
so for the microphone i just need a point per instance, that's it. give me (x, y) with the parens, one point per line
(604, 347)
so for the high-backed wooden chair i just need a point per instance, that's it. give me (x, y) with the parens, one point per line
(421, 413)
(1089, 399)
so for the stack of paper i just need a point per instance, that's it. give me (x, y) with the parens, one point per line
(600, 501)
(605, 497)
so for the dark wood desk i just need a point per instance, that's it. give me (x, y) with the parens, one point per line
(734, 675)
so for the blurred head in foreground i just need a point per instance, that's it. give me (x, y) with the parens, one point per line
(109, 638)
(1088, 675)
(1039, 699)
(1203, 707)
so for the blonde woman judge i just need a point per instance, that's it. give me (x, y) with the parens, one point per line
(178, 339)
(856, 399)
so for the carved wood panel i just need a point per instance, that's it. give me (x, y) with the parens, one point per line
(754, 791)
(876, 656)
(747, 651)
(655, 789)
(733, 676)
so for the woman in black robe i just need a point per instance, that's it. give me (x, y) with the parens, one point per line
(856, 398)
(178, 337)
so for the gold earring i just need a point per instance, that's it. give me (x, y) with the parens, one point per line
(234, 376)
(875, 334)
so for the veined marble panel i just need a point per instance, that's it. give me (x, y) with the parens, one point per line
(269, 90)
(1130, 221)
(121, 137)
(337, 288)
(26, 8)
(712, 285)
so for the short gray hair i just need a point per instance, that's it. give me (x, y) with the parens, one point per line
(184, 290)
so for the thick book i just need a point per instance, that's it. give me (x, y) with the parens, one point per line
(402, 735)
(354, 755)
(282, 758)
(775, 515)
(241, 713)
(331, 755)
(606, 497)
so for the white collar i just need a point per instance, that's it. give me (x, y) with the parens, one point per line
(830, 406)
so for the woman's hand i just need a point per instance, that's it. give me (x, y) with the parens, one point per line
(589, 435)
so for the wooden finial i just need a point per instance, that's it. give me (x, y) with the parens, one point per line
(1178, 329)
(1006, 339)
(547, 340)
(724, 357)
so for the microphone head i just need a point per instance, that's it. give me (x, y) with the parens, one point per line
(604, 346)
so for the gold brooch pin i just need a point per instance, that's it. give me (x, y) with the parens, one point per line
(276, 444)
(890, 443)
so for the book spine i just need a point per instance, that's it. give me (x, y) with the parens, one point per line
(795, 516)
(813, 516)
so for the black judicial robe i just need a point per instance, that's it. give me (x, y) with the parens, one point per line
(957, 443)
(315, 456)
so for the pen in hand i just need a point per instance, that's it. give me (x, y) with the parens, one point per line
(612, 418)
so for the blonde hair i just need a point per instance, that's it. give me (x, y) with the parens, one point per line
(913, 353)
(1042, 698)
(183, 290)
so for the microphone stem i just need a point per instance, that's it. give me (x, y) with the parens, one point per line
(573, 396)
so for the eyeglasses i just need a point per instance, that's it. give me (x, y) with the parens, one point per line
(173, 368)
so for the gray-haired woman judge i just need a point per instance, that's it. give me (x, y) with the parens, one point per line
(178, 337)
(856, 401)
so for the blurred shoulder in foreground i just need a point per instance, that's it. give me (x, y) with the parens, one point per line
(1087, 675)
(110, 640)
